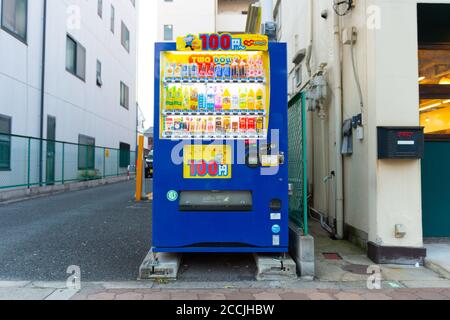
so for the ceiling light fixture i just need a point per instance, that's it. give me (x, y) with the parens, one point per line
(432, 106)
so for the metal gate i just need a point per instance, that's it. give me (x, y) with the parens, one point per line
(298, 204)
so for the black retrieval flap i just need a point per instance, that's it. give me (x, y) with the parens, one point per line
(218, 201)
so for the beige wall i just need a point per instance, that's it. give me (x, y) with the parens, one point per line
(378, 194)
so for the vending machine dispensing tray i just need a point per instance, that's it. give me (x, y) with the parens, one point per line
(216, 201)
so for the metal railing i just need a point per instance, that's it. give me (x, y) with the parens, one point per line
(27, 162)
(298, 166)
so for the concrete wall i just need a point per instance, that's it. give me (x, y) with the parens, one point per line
(80, 107)
(230, 15)
(378, 194)
(199, 16)
(186, 16)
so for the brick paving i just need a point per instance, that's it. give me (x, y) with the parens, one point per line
(265, 294)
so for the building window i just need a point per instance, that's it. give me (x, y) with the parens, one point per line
(434, 81)
(99, 74)
(124, 95)
(125, 37)
(75, 58)
(168, 32)
(86, 153)
(124, 155)
(14, 18)
(100, 8)
(113, 19)
(5, 143)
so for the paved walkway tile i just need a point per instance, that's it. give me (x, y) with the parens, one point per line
(264, 294)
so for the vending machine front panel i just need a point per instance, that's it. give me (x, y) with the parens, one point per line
(220, 153)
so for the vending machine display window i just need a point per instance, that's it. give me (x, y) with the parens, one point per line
(222, 95)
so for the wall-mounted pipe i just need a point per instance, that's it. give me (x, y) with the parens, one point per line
(339, 203)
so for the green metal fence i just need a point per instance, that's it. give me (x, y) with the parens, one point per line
(298, 173)
(27, 162)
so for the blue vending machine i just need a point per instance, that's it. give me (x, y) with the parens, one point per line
(221, 142)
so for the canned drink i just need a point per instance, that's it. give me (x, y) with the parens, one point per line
(168, 126)
(260, 124)
(235, 125)
(243, 125)
(251, 124)
(227, 124)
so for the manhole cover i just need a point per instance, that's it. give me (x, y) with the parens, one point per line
(356, 268)
(332, 256)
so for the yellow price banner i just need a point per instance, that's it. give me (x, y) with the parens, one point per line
(223, 42)
(207, 162)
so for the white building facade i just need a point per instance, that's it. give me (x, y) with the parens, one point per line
(376, 203)
(68, 71)
(179, 17)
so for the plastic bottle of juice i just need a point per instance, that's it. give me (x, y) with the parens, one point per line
(251, 70)
(243, 70)
(218, 101)
(260, 99)
(243, 99)
(194, 99)
(177, 72)
(201, 101)
(210, 99)
(235, 69)
(185, 71)
(193, 73)
(235, 101)
(169, 99)
(211, 69)
(186, 99)
(226, 72)
(203, 72)
(169, 71)
(226, 100)
(178, 99)
(251, 100)
(259, 69)
(218, 72)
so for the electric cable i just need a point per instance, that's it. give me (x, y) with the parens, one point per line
(355, 71)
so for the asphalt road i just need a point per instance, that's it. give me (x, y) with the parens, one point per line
(101, 230)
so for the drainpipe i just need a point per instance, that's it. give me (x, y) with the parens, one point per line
(338, 124)
(44, 40)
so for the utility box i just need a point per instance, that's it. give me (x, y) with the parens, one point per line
(400, 142)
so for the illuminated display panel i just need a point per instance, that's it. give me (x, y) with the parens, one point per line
(434, 80)
(211, 96)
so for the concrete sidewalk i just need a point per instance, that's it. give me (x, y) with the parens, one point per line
(266, 294)
(240, 291)
(438, 257)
